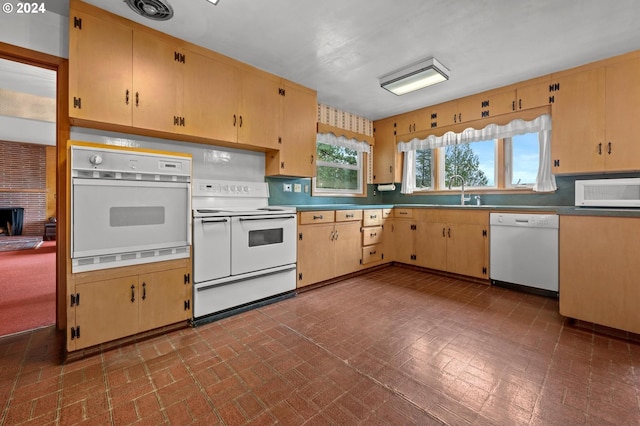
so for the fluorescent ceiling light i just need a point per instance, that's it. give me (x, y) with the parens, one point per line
(213, 1)
(414, 77)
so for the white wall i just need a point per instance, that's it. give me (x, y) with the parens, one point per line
(209, 162)
(44, 32)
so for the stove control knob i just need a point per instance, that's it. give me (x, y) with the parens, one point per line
(246, 189)
(95, 159)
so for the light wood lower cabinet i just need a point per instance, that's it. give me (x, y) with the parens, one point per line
(598, 270)
(111, 304)
(328, 249)
(450, 240)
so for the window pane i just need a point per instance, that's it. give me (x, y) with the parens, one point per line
(336, 154)
(475, 162)
(336, 178)
(525, 159)
(423, 168)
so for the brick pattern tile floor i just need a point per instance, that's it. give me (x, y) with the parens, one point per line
(393, 346)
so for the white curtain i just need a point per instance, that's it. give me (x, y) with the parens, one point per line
(354, 144)
(545, 181)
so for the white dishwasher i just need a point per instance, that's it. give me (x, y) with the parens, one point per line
(524, 252)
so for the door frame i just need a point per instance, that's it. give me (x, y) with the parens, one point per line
(61, 66)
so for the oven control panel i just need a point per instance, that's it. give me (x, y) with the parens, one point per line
(223, 188)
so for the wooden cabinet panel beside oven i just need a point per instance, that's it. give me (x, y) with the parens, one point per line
(329, 245)
(110, 304)
(598, 270)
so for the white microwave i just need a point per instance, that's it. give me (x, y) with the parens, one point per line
(608, 192)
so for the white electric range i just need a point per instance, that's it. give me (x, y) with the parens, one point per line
(244, 251)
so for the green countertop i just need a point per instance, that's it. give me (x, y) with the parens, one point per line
(560, 210)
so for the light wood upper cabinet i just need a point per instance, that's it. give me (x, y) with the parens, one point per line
(578, 116)
(595, 119)
(259, 120)
(534, 94)
(442, 115)
(413, 121)
(296, 155)
(100, 80)
(211, 97)
(387, 161)
(158, 84)
(486, 105)
(622, 107)
(151, 81)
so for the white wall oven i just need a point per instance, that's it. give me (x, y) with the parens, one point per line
(128, 207)
(244, 251)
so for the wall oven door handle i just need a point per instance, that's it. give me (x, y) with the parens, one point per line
(243, 219)
(216, 221)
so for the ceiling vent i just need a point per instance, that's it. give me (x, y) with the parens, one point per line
(158, 10)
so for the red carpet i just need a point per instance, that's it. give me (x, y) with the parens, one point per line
(27, 288)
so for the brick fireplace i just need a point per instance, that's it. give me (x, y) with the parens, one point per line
(23, 183)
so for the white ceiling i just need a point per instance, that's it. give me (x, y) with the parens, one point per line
(341, 47)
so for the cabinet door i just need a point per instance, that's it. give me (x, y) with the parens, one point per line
(107, 310)
(578, 122)
(404, 233)
(413, 121)
(622, 112)
(388, 235)
(486, 105)
(598, 270)
(260, 116)
(100, 67)
(385, 168)
(348, 247)
(431, 245)
(533, 95)
(162, 298)
(316, 251)
(443, 115)
(158, 84)
(298, 144)
(467, 250)
(211, 94)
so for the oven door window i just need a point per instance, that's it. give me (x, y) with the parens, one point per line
(263, 237)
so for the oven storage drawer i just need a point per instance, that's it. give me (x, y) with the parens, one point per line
(219, 295)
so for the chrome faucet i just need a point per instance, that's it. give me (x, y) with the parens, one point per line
(463, 199)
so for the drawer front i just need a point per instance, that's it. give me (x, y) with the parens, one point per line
(371, 254)
(402, 213)
(371, 235)
(387, 213)
(348, 215)
(372, 217)
(322, 216)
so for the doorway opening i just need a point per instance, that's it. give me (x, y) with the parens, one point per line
(28, 187)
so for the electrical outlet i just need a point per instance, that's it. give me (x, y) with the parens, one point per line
(297, 187)
(286, 187)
